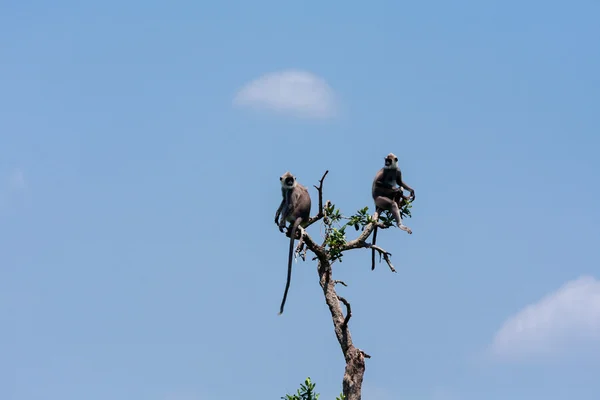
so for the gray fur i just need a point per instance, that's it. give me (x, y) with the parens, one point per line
(387, 191)
(295, 209)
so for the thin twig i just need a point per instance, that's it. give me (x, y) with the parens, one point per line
(321, 213)
(386, 255)
(320, 189)
(340, 282)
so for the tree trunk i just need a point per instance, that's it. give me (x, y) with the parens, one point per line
(355, 358)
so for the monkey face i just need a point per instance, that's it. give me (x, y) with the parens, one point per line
(287, 180)
(391, 161)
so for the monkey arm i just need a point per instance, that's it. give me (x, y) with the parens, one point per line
(278, 213)
(411, 190)
(403, 185)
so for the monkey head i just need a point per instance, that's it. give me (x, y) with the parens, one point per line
(391, 161)
(288, 181)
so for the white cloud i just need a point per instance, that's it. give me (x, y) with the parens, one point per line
(567, 317)
(293, 92)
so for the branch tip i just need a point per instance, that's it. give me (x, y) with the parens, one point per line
(320, 214)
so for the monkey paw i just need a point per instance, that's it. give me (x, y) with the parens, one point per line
(405, 229)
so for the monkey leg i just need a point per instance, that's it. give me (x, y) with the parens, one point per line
(384, 203)
(400, 199)
(391, 205)
(395, 194)
(278, 213)
(396, 212)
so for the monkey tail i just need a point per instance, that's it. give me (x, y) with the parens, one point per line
(373, 250)
(289, 272)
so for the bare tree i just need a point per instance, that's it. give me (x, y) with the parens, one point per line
(330, 251)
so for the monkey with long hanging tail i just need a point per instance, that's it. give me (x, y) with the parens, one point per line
(294, 208)
(388, 196)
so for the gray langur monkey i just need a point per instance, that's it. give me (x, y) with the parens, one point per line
(388, 196)
(294, 208)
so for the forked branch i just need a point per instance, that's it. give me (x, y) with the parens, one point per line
(386, 256)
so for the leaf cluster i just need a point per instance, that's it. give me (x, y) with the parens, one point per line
(335, 232)
(307, 392)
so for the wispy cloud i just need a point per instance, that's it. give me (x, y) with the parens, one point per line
(293, 92)
(568, 316)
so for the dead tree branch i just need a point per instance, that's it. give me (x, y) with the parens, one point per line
(321, 212)
(386, 256)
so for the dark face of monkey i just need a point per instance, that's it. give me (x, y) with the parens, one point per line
(287, 180)
(391, 161)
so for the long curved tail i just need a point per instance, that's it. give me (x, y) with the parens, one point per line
(373, 250)
(289, 272)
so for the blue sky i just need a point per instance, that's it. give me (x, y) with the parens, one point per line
(128, 272)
